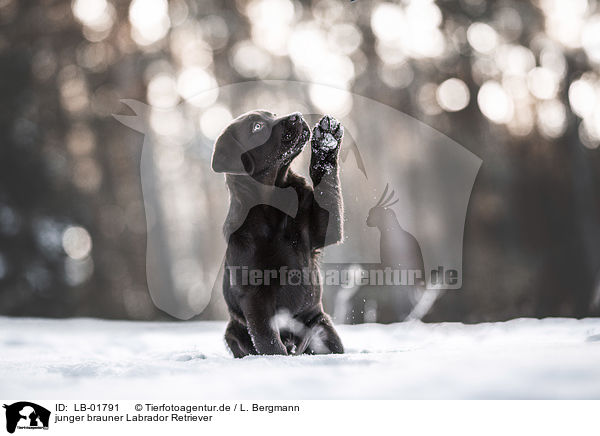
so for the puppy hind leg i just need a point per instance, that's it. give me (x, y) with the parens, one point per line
(265, 338)
(259, 312)
(322, 337)
(238, 340)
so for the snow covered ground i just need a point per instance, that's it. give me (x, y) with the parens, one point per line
(95, 359)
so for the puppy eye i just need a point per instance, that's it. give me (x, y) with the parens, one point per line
(256, 127)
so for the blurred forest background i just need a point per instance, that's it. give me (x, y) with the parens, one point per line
(515, 82)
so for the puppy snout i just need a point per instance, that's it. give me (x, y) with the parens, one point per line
(295, 130)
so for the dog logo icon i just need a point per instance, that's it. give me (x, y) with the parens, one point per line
(26, 415)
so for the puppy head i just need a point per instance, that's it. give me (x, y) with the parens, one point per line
(260, 144)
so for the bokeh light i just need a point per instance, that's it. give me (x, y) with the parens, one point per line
(564, 20)
(583, 97)
(197, 87)
(77, 271)
(482, 37)
(412, 29)
(453, 95)
(149, 20)
(331, 100)
(77, 242)
(543, 83)
(514, 59)
(271, 24)
(214, 120)
(97, 17)
(162, 91)
(552, 118)
(250, 60)
(590, 38)
(495, 103)
(427, 99)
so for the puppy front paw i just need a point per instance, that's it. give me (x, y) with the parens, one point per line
(327, 135)
(325, 144)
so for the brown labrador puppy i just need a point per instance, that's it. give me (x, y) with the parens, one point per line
(276, 226)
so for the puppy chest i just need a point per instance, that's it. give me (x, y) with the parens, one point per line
(282, 248)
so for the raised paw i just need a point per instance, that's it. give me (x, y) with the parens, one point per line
(327, 134)
(325, 144)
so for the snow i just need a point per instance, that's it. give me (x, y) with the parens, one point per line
(98, 359)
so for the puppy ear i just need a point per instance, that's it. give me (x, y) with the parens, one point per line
(227, 155)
